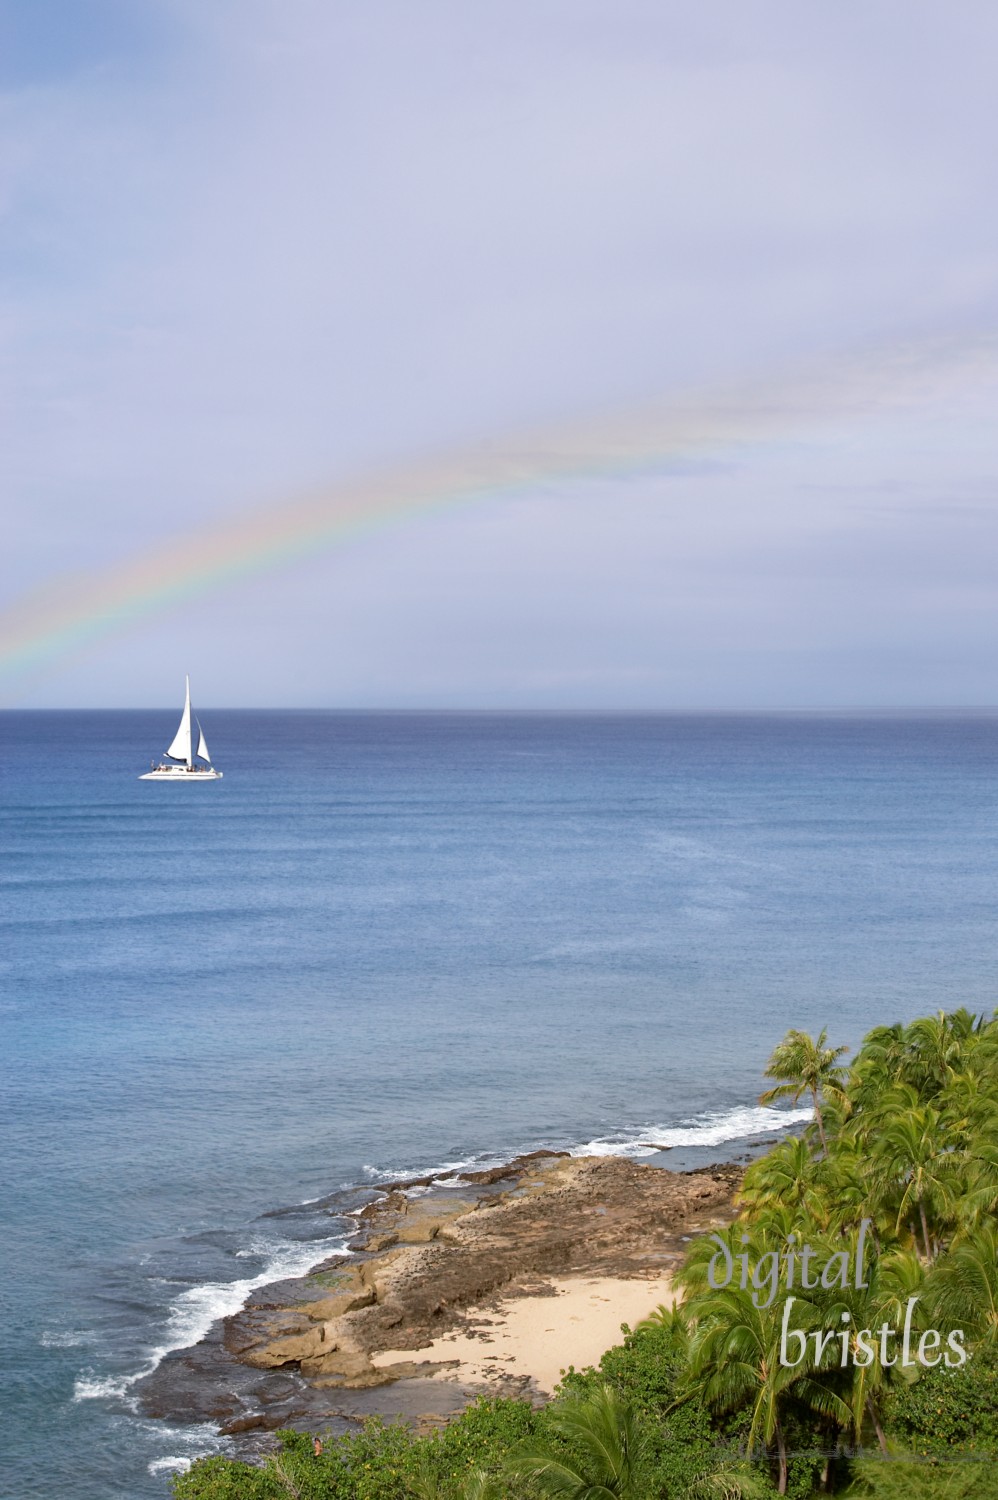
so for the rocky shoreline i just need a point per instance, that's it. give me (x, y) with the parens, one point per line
(428, 1255)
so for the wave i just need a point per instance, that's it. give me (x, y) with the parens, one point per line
(200, 1440)
(713, 1128)
(195, 1310)
(175, 1447)
(442, 1169)
(90, 1387)
(170, 1464)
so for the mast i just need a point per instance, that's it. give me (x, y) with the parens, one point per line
(180, 747)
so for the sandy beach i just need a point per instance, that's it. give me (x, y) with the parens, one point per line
(536, 1336)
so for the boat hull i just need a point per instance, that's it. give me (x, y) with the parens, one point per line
(180, 773)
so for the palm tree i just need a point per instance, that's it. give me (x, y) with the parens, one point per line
(790, 1177)
(894, 1279)
(692, 1274)
(481, 1486)
(964, 1285)
(924, 1055)
(735, 1363)
(599, 1453)
(968, 1104)
(845, 1185)
(428, 1484)
(883, 1053)
(977, 1199)
(898, 1275)
(674, 1320)
(735, 1481)
(937, 1045)
(805, 1066)
(911, 1166)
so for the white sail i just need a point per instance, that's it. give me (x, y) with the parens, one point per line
(202, 744)
(180, 749)
(182, 768)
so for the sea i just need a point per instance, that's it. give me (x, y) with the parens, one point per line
(391, 943)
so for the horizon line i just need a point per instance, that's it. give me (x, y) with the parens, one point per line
(883, 710)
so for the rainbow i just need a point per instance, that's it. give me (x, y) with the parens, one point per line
(72, 612)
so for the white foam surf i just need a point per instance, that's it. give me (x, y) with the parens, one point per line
(442, 1169)
(170, 1464)
(91, 1387)
(195, 1310)
(715, 1129)
(175, 1448)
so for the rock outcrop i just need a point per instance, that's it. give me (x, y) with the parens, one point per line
(415, 1266)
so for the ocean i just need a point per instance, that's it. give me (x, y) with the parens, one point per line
(392, 942)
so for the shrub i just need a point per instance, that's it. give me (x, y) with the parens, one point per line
(381, 1462)
(947, 1410)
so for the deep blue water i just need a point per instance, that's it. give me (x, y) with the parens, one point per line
(389, 941)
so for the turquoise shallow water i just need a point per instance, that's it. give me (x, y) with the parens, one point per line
(392, 941)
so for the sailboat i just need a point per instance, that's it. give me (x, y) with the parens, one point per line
(182, 762)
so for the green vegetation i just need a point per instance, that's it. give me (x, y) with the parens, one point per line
(593, 1444)
(841, 1336)
(380, 1463)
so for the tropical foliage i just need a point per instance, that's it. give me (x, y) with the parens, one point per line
(907, 1141)
(596, 1447)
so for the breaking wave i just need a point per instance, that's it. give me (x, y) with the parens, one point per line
(193, 1312)
(714, 1128)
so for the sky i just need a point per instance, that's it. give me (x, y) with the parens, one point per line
(562, 354)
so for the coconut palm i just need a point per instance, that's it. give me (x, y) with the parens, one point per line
(787, 1175)
(913, 1170)
(845, 1186)
(882, 1056)
(599, 1453)
(964, 1285)
(735, 1364)
(977, 1199)
(772, 1224)
(427, 1484)
(481, 1486)
(805, 1066)
(925, 1055)
(735, 1481)
(430, 1479)
(674, 1321)
(892, 1281)
(969, 1105)
(937, 1047)
(898, 1276)
(695, 1274)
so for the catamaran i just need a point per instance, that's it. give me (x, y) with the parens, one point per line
(182, 762)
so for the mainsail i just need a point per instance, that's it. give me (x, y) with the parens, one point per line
(180, 749)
